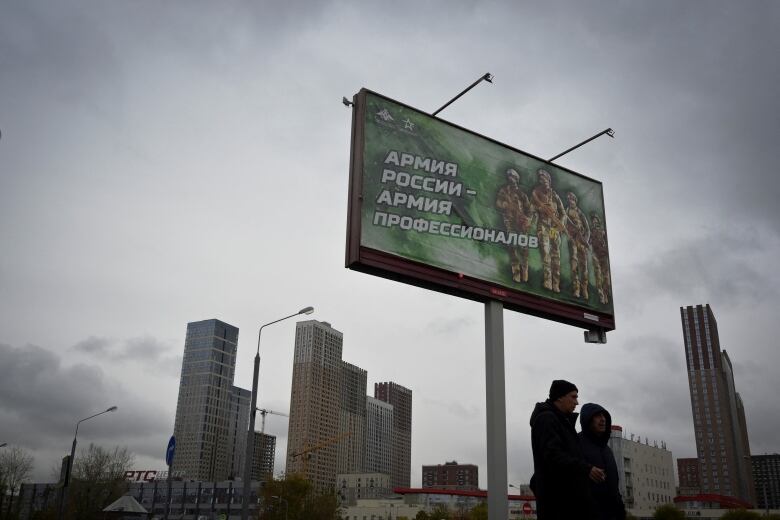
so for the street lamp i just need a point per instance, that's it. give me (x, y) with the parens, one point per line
(70, 460)
(253, 411)
(286, 505)
(3, 445)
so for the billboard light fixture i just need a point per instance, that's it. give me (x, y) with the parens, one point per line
(486, 77)
(608, 131)
(347, 103)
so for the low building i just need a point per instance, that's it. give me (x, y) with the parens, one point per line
(646, 472)
(451, 475)
(352, 487)
(521, 507)
(380, 509)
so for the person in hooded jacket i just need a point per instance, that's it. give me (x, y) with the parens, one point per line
(596, 425)
(560, 480)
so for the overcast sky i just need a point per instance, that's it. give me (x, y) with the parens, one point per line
(168, 162)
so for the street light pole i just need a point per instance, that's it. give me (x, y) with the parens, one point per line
(253, 411)
(66, 481)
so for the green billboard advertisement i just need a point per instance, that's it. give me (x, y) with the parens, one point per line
(437, 195)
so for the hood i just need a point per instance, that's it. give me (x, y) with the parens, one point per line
(587, 412)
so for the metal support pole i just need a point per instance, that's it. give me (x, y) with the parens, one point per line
(498, 506)
(608, 131)
(487, 77)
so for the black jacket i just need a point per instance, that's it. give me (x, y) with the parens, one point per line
(560, 480)
(606, 495)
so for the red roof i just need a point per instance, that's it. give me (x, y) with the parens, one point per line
(726, 502)
(479, 493)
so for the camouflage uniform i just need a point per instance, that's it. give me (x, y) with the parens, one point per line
(600, 259)
(578, 229)
(551, 213)
(516, 211)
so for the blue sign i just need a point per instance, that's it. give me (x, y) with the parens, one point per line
(170, 451)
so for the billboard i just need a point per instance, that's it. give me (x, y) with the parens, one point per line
(438, 206)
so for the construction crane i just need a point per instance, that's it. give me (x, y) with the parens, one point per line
(263, 413)
(309, 449)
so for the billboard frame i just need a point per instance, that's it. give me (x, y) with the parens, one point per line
(371, 261)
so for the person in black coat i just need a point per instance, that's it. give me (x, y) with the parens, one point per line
(596, 424)
(560, 480)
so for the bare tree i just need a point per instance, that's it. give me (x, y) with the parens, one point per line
(15, 466)
(97, 479)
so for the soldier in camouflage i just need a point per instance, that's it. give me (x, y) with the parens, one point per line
(516, 211)
(549, 207)
(600, 258)
(578, 229)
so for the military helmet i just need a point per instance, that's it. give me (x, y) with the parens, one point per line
(512, 173)
(544, 173)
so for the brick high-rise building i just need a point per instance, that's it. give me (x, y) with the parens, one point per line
(722, 442)
(401, 399)
(203, 411)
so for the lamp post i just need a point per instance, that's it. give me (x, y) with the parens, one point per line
(66, 481)
(3, 445)
(253, 411)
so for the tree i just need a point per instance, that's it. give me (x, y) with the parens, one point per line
(668, 512)
(440, 512)
(294, 498)
(479, 512)
(97, 479)
(741, 514)
(421, 515)
(15, 467)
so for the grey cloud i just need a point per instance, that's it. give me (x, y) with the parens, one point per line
(148, 351)
(41, 400)
(94, 345)
(725, 267)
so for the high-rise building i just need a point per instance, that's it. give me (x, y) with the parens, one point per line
(401, 399)
(352, 419)
(766, 475)
(239, 403)
(263, 455)
(722, 442)
(379, 436)
(451, 475)
(202, 426)
(645, 471)
(315, 404)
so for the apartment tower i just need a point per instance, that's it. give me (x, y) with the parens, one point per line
(203, 410)
(722, 444)
(401, 399)
(312, 448)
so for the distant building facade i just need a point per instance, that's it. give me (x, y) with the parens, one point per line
(766, 475)
(451, 475)
(722, 444)
(352, 487)
(646, 471)
(239, 403)
(203, 410)
(263, 455)
(401, 400)
(688, 473)
(352, 418)
(379, 436)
